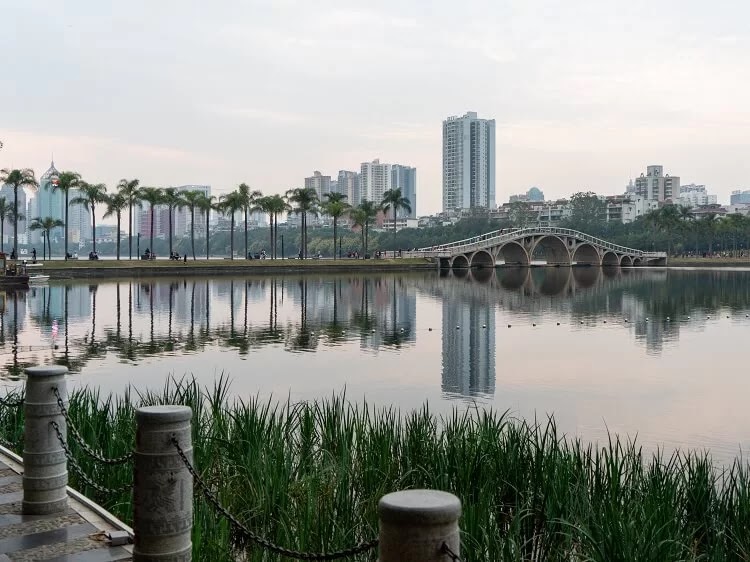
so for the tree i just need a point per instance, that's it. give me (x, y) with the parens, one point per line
(192, 200)
(6, 210)
(91, 194)
(152, 196)
(116, 204)
(520, 214)
(206, 204)
(306, 203)
(336, 207)
(129, 190)
(46, 225)
(588, 213)
(276, 205)
(230, 204)
(18, 178)
(173, 200)
(393, 199)
(249, 199)
(65, 182)
(362, 216)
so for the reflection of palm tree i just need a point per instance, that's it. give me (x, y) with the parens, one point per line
(363, 319)
(395, 338)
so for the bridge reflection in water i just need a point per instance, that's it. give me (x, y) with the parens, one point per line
(118, 325)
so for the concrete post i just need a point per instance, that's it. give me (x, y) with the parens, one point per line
(162, 485)
(414, 524)
(45, 468)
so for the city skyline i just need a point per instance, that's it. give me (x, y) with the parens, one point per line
(568, 115)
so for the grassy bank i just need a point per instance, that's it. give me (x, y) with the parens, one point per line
(59, 269)
(309, 475)
(709, 262)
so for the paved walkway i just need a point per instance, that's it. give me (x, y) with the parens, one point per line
(77, 535)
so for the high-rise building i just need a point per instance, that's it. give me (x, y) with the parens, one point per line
(348, 184)
(655, 185)
(405, 179)
(739, 197)
(374, 180)
(47, 203)
(79, 220)
(182, 220)
(320, 183)
(692, 195)
(468, 162)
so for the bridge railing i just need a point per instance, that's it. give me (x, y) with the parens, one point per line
(507, 235)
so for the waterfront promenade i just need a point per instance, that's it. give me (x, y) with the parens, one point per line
(78, 534)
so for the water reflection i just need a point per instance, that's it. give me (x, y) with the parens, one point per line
(73, 323)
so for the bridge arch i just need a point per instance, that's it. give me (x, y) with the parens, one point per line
(610, 259)
(637, 262)
(514, 253)
(482, 258)
(460, 262)
(586, 254)
(445, 263)
(626, 261)
(555, 250)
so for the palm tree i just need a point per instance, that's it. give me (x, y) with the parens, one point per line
(335, 207)
(46, 225)
(65, 182)
(230, 204)
(306, 201)
(91, 194)
(191, 200)
(152, 196)
(276, 205)
(362, 216)
(129, 190)
(206, 204)
(19, 178)
(116, 204)
(249, 199)
(394, 199)
(173, 200)
(5, 213)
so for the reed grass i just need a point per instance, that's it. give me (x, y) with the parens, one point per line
(308, 476)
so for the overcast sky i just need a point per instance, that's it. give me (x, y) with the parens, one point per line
(585, 93)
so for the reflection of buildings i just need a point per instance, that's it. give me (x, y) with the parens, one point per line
(49, 302)
(468, 347)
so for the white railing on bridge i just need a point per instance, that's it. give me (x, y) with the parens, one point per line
(497, 237)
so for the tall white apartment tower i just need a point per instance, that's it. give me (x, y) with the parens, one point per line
(468, 162)
(374, 180)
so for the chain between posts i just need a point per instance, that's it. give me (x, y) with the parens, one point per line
(257, 539)
(445, 549)
(78, 438)
(73, 463)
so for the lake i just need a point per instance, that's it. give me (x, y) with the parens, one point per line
(655, 353)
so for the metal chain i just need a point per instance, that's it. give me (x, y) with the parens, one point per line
(78, 438)
(257, 539)
(445, 549)
(73, 463)
(11, 403)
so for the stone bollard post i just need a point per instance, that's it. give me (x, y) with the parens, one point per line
(162, 485)
(45, 468)
(414, 524)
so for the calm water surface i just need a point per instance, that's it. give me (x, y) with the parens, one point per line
(654, 353)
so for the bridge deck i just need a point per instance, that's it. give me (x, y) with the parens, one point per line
(76, 535)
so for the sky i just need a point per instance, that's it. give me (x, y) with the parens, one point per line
(585, 93)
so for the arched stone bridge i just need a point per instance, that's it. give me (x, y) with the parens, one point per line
(529, 246)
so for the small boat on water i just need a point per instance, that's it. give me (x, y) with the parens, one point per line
(36, 278)
(13, 273)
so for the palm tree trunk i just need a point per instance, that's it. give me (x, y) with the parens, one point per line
(15, 220)
(130, 230)
(152, 229)
(66, 224)
(93, 225)
(170, 208)
(208, 214)
(276, 236)
(192, 231)
(118, 236)
(245, 232)
(335, 237)
(2, 233)
(270, 226)
(231, 239)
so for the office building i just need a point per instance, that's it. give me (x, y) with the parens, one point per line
(657, 186)
(405, 179)
(468, 162)
(739, 197)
